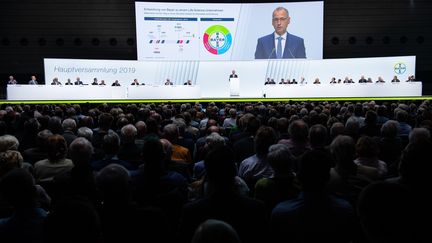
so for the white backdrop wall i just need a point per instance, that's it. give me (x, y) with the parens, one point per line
(212, 76)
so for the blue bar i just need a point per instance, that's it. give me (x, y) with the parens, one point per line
(169, 19)
(217, 19)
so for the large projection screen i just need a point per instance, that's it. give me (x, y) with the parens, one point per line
(203, 31)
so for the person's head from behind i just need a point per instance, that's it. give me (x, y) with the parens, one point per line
(18, 188)
(314, 171)
(8, 142)
(415, 166)
(113, 181)
(80, 151)
(280, 20)
(390, 129)
(10, 160)
(343, 151)
(367, 147)
(318, 136)
(298, 130)
(56, 147)
(386, 213)
(281, 160)
(221, 169)
(419, 135)
(265, 137)
(215, 231)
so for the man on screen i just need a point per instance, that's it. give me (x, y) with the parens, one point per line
(280, 44)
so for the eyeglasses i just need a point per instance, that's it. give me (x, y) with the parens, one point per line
(279, 19)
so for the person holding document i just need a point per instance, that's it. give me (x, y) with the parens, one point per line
(280, 44)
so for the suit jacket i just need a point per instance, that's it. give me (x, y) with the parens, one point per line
(233, 76)
(78, 83)
(294, 47)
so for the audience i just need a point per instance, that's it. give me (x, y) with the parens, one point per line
(119, 171)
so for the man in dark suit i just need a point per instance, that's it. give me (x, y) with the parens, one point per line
(233, 74)
(280, 44)
(78, 81)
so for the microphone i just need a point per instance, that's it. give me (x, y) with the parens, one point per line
(271, 53)
(290, 52)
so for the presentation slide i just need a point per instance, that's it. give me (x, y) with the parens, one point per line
(205, 32)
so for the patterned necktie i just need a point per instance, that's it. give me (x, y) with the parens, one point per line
(279, 48)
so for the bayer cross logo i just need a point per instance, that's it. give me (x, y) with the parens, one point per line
(217, 39)
(400, 68)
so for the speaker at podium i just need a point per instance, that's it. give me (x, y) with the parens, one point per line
(234, 86)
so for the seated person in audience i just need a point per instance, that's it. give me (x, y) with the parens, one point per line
(168, 82)
(333, 80)
(78, 81)
(135, 82)
(12, 80)
(116, 83)
(362, 79)
(380, 80)
(189, 82)
(55, 81)
(395, 79)
(33, 80)
(69, 82)
(317, 81)
(102, 82)
(269, 81)
(95, 81)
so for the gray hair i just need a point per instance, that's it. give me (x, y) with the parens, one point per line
(8, 142)
(214, 140)
(69, 124)
(280, 8)
(80, 151)
(85, 132)
(128, 133)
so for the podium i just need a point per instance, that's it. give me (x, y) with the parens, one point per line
(234, 86)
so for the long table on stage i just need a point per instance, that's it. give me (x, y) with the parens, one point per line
(343, 90)
(95, 92)
(90, 92)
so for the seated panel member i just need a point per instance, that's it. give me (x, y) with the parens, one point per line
(116, 83)
(317, 81)
(55, 81)
(12, 80)
(362, 80)
(282, 81)
(135, 82)
(333, 80)
(102, 82)
(69, 82)
(380, 80)
(395, 79)
(33, 80)
(168, 82)
(189, 82)
(293, 81)
(95, 82)
(78, 81)
(269, 81)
